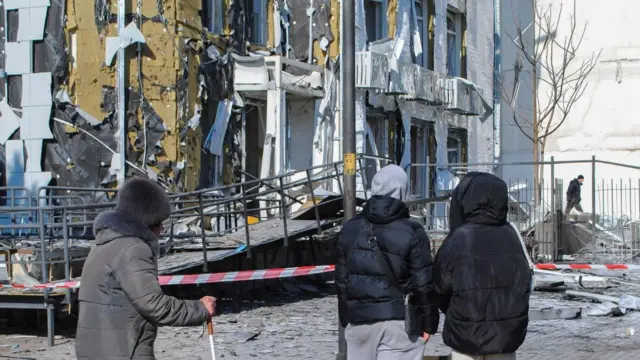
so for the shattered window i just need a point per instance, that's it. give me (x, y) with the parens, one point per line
(420, 16)
(257, 10)
(215, 22)
(453, 53)
(374, 16)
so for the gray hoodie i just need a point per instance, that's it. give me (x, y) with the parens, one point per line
(392, 181)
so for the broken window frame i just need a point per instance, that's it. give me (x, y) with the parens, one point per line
(380, 21)
(455, 137)
(454, 43)
(258, 22)
(422, 18)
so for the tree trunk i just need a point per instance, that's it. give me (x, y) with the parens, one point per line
(536, 141)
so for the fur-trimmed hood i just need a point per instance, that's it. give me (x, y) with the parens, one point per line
(111, 225)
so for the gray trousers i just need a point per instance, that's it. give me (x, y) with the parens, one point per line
(458, 356)
(386, 340)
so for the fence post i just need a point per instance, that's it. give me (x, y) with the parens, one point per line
(593, 207)
(313, 199)
(67, 260)
(205, 265)
(554, 212)
(247, 232)
(283, 209)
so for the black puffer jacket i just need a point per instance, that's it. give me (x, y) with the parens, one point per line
(364, 294)
(481, 273)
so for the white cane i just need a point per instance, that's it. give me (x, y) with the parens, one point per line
(210, 331)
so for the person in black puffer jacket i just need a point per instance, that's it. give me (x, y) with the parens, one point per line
(482, 274)
(369, 306)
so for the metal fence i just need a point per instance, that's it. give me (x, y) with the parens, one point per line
(608, 230)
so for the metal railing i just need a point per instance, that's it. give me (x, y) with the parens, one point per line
(57, 220)
(606, 232)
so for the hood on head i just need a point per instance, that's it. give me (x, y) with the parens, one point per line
(115, 224)
(391, 181)
(480, 198)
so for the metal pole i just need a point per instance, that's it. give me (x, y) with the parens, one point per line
(348, 114)
(554, 212)
(122, 116)
(593, 207)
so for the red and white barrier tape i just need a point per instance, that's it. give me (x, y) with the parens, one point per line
(249, 275)
(587, 267)
(233, 276)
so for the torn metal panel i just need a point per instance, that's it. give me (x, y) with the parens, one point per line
(300, 23)
(50, 55)
(36, 89)
(14, 154)
(17, 59)
(32, 21)
(155, 130)
(34, 155)
(77, 160)
(215, 138)
(35, 123)
(10, 121)
(216, 77)
(129, 36)
(22, 4)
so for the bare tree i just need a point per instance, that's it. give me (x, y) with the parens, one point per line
(559, 76)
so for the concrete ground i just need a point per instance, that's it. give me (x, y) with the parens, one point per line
(303, 325)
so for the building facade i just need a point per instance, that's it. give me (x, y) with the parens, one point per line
(220, 91)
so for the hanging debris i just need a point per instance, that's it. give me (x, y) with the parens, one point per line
(237, 20)
(102, 14)
(299, 22)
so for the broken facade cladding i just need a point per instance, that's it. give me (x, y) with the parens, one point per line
(220, 91)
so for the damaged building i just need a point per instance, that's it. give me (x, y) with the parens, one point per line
(221, 91)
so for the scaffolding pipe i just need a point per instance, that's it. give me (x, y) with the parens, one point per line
(122, 116)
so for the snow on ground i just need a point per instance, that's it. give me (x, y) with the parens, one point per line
(304, 326)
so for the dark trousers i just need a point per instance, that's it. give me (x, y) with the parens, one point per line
(571, 205)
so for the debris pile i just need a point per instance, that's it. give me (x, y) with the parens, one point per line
(599, 296)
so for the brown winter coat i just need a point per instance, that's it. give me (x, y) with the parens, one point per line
(121, 302)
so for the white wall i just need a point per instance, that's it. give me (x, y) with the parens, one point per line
(606, 120)
(514, 145)
(479, 16)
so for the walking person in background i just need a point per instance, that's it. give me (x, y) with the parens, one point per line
(384, 276)
(482, 274)
(121, 302)
(573, 195)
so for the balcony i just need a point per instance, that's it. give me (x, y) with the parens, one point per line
(378, 70)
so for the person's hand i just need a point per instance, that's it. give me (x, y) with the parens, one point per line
(425, 337)
(209, 303)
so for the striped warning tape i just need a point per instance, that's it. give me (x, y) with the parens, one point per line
(233, 276)
(587, 267)
(249, 275)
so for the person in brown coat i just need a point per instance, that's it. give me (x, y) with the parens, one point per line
(121, 302)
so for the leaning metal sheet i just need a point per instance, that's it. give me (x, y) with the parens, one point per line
(260, 234)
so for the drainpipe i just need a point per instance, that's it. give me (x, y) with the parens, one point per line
(497, 69)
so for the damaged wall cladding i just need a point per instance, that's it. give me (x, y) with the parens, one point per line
(178, 78)
(61, 106)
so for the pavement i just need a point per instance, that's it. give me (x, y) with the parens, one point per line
(303, 325)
